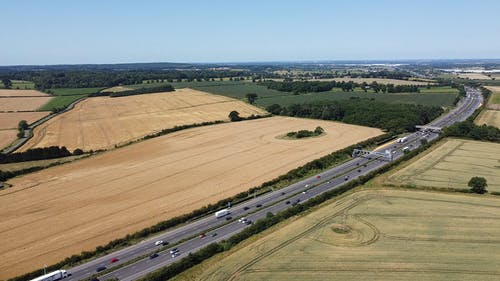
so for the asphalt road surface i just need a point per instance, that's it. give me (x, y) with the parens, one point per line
(200, 233)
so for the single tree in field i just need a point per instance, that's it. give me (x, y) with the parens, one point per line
(251, 97)
(7, 83)
(478, 185)
(23, 125)
(234, 116)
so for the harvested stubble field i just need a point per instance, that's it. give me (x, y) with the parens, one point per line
(7, 137)
(494, 101)
(474, 76)
(22, 93)
(10, 120)
(102, 122)
(373, 235)
(91, 201)
(452, 164)
(22, 103)
(489, 117)
(378, 80)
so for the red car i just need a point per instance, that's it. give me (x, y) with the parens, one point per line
(202, 235)
(318, 176)
(113, 260)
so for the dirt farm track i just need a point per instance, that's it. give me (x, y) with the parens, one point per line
(64, 210)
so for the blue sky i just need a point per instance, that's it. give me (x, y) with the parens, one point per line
(112, 31)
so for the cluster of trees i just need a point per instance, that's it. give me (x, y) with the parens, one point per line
(321, 86)
(21, 127)
(38, 154)
(478, 185)
(305, 133)
(468, 129)
(396, 118)
(7, 83)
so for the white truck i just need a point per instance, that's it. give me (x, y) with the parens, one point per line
(222, 213)
(55, 275)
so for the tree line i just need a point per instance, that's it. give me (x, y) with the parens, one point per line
(323, 86)
(38, 154)
(108, 78)
(391, 117)
(140, 91)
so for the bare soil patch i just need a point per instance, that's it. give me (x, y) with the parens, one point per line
(102, 122)
(94, 200)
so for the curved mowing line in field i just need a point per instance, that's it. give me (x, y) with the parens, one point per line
(321, 223)
(378, 269)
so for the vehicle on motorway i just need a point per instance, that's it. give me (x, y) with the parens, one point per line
(346, 178)
(159, 242)
(246, 208)
(54, 275)
(242, 220)
(318, 176)
(214, 234)
(113, 260)
(153, 255)
(283, 193)
(100, 268)
(406, 149)
(221, 213)
(248, 222)
(229, 218)
(307, 185)
(174, 250)
(287, 202)
(403, 139)
(258, 205)
(94, 279)
(203, 235)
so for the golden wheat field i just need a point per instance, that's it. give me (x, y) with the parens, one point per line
(94, 200)
(102, 122)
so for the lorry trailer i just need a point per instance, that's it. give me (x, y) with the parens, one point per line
(52, 276)
(222, 213)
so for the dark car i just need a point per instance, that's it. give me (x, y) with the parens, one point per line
(214, 234)
(287, 202)
(100, 268)
(94, 279)
(283, 193)
(153, 255)
(248, 222)
(258, 205)
(229, 218)
(246, 208)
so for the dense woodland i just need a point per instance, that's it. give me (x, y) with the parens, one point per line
(93, 78)
(392, 117)
(319, 86)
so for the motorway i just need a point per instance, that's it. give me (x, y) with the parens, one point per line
(131, 266)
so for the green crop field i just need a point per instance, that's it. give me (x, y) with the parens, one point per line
(440, 96)
(372, 235)
(452, 164)
(439, 89)
(21, 85)
(65, 96)
(439, 99)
